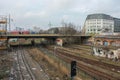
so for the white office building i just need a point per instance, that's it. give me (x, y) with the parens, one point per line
(97, 23)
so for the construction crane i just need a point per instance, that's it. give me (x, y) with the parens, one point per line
(3, 31)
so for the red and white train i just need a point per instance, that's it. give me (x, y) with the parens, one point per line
(19, 32)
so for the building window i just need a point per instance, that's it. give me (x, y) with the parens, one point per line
(99, 30)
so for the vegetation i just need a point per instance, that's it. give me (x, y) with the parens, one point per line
(50, 66)
(5, 64)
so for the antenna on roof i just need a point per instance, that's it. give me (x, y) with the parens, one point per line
(49, 24)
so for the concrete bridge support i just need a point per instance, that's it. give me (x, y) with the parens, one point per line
(50, 40)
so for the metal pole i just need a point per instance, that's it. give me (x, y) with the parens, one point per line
(9, 23)
(6, 25)
(54, 51)
(72, 78)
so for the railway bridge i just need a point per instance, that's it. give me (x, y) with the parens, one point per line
(48, 37)
(42, 36)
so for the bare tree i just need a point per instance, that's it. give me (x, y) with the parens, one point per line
(68, 29)
(79, 30)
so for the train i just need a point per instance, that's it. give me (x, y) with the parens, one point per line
(16, 41)
(22, 32)
(19, 32)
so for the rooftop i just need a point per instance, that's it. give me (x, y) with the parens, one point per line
(99, 16)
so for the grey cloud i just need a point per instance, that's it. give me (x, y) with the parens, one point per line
(40, 12)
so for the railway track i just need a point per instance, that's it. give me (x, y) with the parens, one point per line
(43, 75)
(24, 70)
(25, 67)
(84, 49)
(113, 68)
(91, 71)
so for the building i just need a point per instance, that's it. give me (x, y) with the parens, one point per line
(107, 40)
(97, 23)
(116, 25)
(53, 30)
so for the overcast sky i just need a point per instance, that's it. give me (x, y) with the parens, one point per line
(29, 13)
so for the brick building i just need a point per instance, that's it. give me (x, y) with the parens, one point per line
(107, 40)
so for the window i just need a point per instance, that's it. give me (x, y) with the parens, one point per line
(99, 30)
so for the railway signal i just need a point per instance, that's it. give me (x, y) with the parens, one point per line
(73, 69)
(32, 42)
